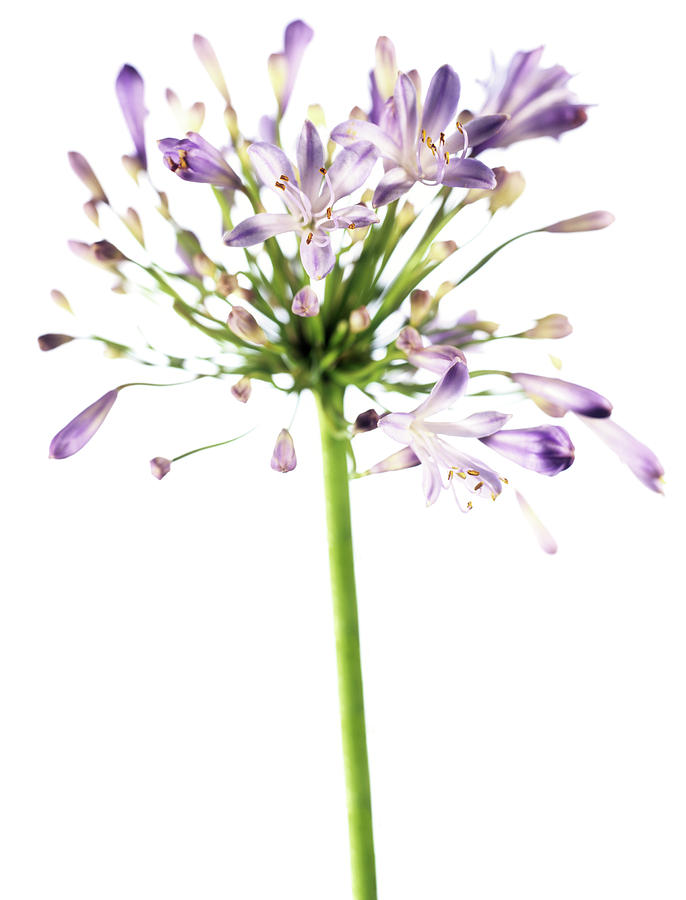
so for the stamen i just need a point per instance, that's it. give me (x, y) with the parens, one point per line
(279, 185)
(284, 177)
(351, 226)
(441, 139)
(469, 504)
(328, 212)
(423, 135)
(478, 486)
(447, 157)
(458, 125)
(504, 480)
(323, 170)
(450, 475)
(492, 496)
(462, 475)
(182, 159)
(473, 472)
(309, 238)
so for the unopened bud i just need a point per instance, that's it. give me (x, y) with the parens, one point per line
(231, 122)
(133, 166)
(91, 210)
(226, 284)
(204, 266)
(244, 325)
(409, 339)
(420, 306)
(59, 298)
(133, 222)
(163, 208)
(159, 466)
(83, 171)
(283, 458)
(315, 113)
(208, 58)
(242, 389)
(592, 221)
(366, 421)
(305, 303)
(441, 250)
(81, 429)
(552, 327)
(508, 188)
(359, 319)
(101, 253)
(405, 216)
(443, 288)
(50, 341)
(386, 67)
(195, 117)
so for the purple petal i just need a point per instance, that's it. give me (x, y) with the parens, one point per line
(270, 163)
(545, 539)
(436, 357)
(350, 169)
(405, 99)
(556, 397)
(546, 449)
(639, 458)
(550, 121)
(317, 257)
(354, 130)
(403, 459)
(296, 38)
(478, 130)
(478, 425)
(592, 221)
(397, 426)
(310, 156)
(446, 390)
(468, 173)
(258, 228)
(129, 87)
(283, 457)
(441, 101)
(266, 128)
(81, 429)
(394, 184)
(359, 215)
(305, 302)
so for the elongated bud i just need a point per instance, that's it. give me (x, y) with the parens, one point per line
(90, 208)
(208, 58)
(556, 397)
(639, 458)
(231, 122)
(305, 303)
(133, 222)
(50, 341)
(283, 458)
(546, 449)
(366, 421)
(204, 266)
(132, 166)
(386, 68)
(436, 358)
(242, 389)
(420, 306)
(359, 320)
(441, 250)
(130, 90)
(81, 429)
(101, 253)
(163, 208)
(509, 186)
(83, 171)
(283, 67)
(244, 325)
(315, 113)
(405, 217)
(59, 298)
(551, 327)
(592, 221)
(409, 339)
(160, 466)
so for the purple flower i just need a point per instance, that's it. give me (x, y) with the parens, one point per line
(556, 397)
(160, 466)
(83, 171)
(283, 67)
(283, 458)
(436, 357)
(193, 159)
(592, 221)
(639, 458)
(81, 429)
(242, 389)
(129, 88)
(310, 198)
(424, 445)
(537, 101)
(305, 303)
(546, 449)
(417, 149)
(366, 421)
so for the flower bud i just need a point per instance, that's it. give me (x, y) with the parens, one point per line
(305, 302)
(409, 339)
(386, 67)
(81, 429)
(101, 253)
(208, 58)
(226, 284)
(366, 421)
(132, 166)
(441, 250)
(508, 188)
(159, 466)
(592, 221)
(59, 298)
(194, 159)
(420, 306)
(130, 89)
(163, 208)
(90, 207)
(242, 389)
(315, 113)
(556, 397)
(551, 327)
(244, 325)
(359, 320)
(50, 341)
(406, 216)
(283, 67)
(133, 222)
(283, 458)
(204, 266)
(83, 171)
(231, 122)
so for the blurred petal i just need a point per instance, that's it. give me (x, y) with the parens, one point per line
(478, 425)
(129, 87)
(441, 101)
(546, 449)
(639, 458)
(81, 429)
(546, 541)
(394, 184)
(351, 168)
(556, 397)
(468, 173)
(305, 302)
(402, 459)
(258, 228)
(446, 391)
(318, 259)
(355, 130)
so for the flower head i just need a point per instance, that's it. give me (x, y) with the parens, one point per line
(194, 159)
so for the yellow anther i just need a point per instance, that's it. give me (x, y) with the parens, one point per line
(328, 212)
(323, 170)
(472, 472)
(351, 226)
(504, 480)
(492, 496)
(447, 157)
(442, 138)
(284, 177)
(478, 486)
(423, 135)
(309, 238)
(279, 185)
(469, 504)
(182, 160)
(450, 475)
(459, 127)
(462, 475)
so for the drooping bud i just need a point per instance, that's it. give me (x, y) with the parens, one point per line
(129, 87)
(101, 253)
(244, 325)
(83, 171)
(242, 389)
(133, 222)
(359, 320)
(160, 466)
(283, 458)
(592, 221)
(509, 186)
(305, 303)
(550, 327)
(441, 250)
(50, 341)
(284, 66)
(556, 397)
(420, 306)
(81, 429)
(366, 421)
(59, 298)
(208, 58)
(90, 208)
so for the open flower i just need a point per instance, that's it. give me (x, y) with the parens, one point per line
(310, 198)
(417, 149)
(194, 159)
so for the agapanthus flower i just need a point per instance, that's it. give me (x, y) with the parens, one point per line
(82, 427)
(130, 89)
(639, 458)
(434, 357)
(305, 303)
(417, 149)
(557, 397)
(536, 100)
(310, 198)
(194, 159)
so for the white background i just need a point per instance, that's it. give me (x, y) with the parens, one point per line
(168, 697)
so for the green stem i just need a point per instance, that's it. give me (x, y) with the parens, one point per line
(355, 762)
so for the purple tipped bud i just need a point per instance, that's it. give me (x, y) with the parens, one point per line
(639, 458)
(546, 449)
(208, 58)
(549, 327)
(226, 284)
(283, 458)
(81, 429)
(592, 221)
(59, 298)
(83, 171)
(509, 186)
(130, 90)
(90, 208)
(242, 389)
(133, 222)
(305, 302)
(194, 159)
(244, 325)
(359, 320)
(283, 67)
(409, 339)
(556, 397)
(101, 253)
(159, 466)
(50, 341)
(366, 421)
(436, 358)
(441, 250)
(420, 306)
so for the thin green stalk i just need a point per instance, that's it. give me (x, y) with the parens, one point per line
(355, 762)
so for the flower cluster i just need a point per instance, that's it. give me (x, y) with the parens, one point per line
(327, 316)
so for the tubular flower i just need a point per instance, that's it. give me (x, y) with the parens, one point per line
(81, 429)
(556, 397)
(129, 88)
(310, 198)
(537, 101)
(639, 458)
(417, 149)
(193, 159)
(546, 449)
(283, 67)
